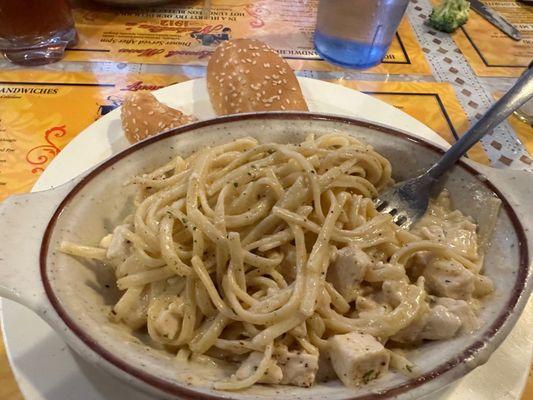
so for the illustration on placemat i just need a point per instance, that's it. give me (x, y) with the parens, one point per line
(112, 103)
(208, 36)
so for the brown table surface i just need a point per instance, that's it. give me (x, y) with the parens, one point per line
(9, 389)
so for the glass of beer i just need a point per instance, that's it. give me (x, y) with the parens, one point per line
(35, 32)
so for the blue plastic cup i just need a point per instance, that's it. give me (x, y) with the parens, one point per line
(357, 33)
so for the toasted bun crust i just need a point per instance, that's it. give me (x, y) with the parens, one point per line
(143, 115)
(246, 75)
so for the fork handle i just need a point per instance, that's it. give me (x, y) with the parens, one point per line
(520, 93)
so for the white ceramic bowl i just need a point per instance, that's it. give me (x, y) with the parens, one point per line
(74, 299)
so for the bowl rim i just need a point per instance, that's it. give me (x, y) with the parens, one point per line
(491, 335)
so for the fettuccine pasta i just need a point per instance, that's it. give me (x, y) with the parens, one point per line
(273, 258)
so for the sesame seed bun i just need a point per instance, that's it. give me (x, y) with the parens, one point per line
(143, 116)
(246, 75)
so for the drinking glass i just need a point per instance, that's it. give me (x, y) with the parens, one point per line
(35, 32)
(357, 33)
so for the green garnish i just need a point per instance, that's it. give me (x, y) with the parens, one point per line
(367, 377)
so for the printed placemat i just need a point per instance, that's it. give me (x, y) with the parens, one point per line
(40, 112)
(491, 52)
(187, 35)
(433, 104)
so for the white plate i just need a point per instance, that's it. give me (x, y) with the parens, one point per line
(46, 369)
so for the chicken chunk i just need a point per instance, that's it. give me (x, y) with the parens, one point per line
(448, 278)
(299, 367)
(168, 322)
(348, 270)
(119, 247)
(273, 373)
(444, 320)
(357, 358)
(440, 324)
(461, 309)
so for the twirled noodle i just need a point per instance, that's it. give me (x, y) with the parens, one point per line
(262, 254)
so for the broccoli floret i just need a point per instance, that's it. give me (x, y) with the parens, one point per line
(449, 15)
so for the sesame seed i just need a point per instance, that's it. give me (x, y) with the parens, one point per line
(151, 112)
(266, 65)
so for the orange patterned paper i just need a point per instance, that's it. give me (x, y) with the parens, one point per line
(40, 112)
(187, 34)
(491, 52)
(433, 104)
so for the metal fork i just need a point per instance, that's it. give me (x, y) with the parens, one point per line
(407, 201)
